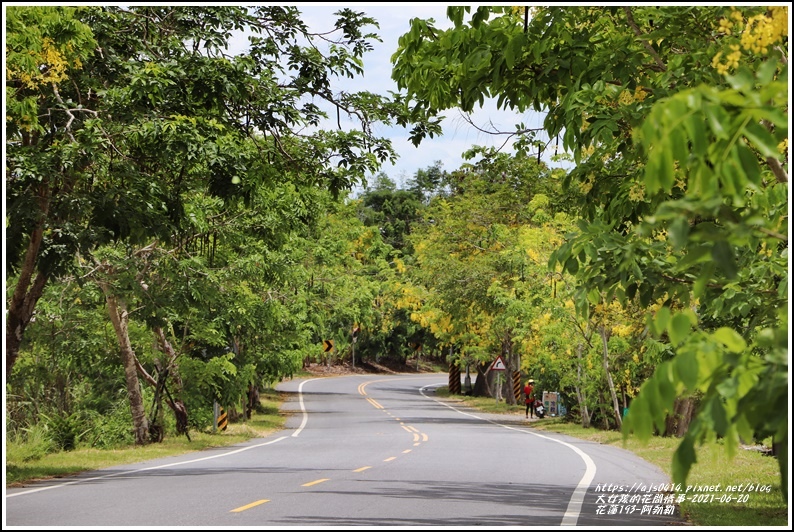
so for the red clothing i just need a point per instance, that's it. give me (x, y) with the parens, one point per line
(528, 394)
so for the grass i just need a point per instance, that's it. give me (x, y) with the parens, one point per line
(713, 466)
(21, 468)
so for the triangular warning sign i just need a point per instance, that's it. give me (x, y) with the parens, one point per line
(498, 364)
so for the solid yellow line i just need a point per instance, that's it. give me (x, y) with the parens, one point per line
(374, 403)
(315, 482)
(360, 469)
(390, 459)
(247, 506)
(416, 436)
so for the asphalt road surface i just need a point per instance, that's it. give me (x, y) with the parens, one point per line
(367, 451)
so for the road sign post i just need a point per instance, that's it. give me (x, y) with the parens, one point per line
(498, 365)
(328, 345)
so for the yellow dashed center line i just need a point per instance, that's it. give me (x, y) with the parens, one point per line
(315, 482)
(248, 506)
(416, 434)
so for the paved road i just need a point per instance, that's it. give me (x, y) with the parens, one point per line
(370, 451)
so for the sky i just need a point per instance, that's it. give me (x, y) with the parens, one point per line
(458, 136)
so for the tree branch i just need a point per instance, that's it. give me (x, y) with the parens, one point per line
(777, 169)
(773, 234)
(645, 42)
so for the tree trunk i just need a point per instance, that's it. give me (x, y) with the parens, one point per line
(177, 407)
(615, 403)
(253, 400)
(580, 387)
(677, 422)
(27, 291)
(481, 388)
(507, 387)
(120, 319)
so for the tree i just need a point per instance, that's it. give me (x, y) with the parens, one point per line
(429, 182)
(392, 211)
(45, 46)
(470, 255)
(119, 118)
(676, 120)
(153, 108)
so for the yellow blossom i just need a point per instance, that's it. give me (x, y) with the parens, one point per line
(637, 192)
(626, 97)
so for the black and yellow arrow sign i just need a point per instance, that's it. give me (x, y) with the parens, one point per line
(328, 345)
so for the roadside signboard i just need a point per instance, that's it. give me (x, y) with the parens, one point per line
(498, 364)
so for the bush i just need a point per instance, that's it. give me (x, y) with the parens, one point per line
(28, 444)
(112, 429)
(63, 430)
(200, 418)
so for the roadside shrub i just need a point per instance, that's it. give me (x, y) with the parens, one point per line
(200, 418)
(111, 429)
(63, 430)
(28, 444)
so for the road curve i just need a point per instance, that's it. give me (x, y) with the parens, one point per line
(373, 451)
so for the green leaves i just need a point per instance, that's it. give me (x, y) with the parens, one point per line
(674, 135)
(514, 49)
(679, 329)
(730, 339)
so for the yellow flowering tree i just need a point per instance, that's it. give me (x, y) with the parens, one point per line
(481, 254)
(676, 118)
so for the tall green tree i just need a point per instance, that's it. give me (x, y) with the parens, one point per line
(392, 211)
(676, 119)
(472, 256)
(119, 117)
(115, 113)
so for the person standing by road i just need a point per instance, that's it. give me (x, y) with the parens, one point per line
(529, 399)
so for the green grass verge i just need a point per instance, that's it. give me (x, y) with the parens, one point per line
(713, 468)
(21, 469)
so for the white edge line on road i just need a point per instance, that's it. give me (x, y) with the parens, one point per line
(303, 407)
(80, 481)
(577, 498)
(152, 468)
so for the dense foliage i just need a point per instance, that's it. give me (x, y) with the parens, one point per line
(677, 121)
(165, 203)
